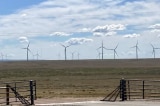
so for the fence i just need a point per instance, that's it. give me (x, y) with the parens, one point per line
(133, 89)
(17, 92)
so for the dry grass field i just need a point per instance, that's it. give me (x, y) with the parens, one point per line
(78, 78)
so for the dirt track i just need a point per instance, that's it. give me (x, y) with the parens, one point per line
(100, 103)
(91, 102)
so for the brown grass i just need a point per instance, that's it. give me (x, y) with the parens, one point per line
(78, 78)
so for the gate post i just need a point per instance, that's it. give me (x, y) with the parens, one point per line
(31, 92)
(7, 94)
(123, 90)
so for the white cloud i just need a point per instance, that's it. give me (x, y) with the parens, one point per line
(134, 35)
(101, 18)
(23, 39)
(107, 28)
(60, 34)
(78, 41)
(98, 34)
(155, 30)
(85, 30)
(110, 33)
(155, 26)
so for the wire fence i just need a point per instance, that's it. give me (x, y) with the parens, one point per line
(135, 89)
(18, 92)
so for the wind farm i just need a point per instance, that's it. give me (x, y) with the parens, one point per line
(154, 51)
(114, 51)
(79, 49)
(137, 49)
(101, 50)
(27, 50)
(65, 50)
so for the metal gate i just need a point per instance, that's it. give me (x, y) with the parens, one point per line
(133, 89)
(143, 89)
(17, 92)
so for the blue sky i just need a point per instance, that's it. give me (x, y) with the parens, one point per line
(83, 24)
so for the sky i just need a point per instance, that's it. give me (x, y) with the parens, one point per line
(47, 26)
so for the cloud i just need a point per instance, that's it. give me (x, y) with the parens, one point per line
(155, 30)
(85, 30)
(78, 41)
(23, 39)
(134, 35)
(110, 33)
(108, 28)
(70, 16)
(98, 18)
(155, 26)
(60, 34)
(98, 34)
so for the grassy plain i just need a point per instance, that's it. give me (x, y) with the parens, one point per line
(78, 78)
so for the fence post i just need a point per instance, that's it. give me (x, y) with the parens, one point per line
(123, 90)
(7, 94)
(143, 89)
(31, 92)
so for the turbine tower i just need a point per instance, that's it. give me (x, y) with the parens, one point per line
(102, 47)
(37, 55)
(73, 55)
(27, 49)
(154, 52)
(65, 50)
(114, 50)
(137, 49)
(78, 54)
(99, 54)
(2, 56)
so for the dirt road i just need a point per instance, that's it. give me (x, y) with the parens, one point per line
(92, 102)
(102, 103)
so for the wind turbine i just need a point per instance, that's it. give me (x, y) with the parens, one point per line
(154, 52)
(65, 50)
(37, 55)
(6, 56)
(73, 55)
(27, 49)
(137, 48)
(114, 50)
(99, 54)
(78, 54)
(2, 55)
(102, 47)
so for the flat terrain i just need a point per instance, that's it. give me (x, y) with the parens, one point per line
(78, 78)
(100, 103)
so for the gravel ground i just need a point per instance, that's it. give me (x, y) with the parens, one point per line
(89, 102)
(102, 103)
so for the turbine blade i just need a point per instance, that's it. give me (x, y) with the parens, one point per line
(106, 48)
(68, 46)
(116, 53)
(138, 48)
(152, 46)
(99, 48)
(153, 52)
(116, 46)
(62, 45)
(28, 45)
(156, 48)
